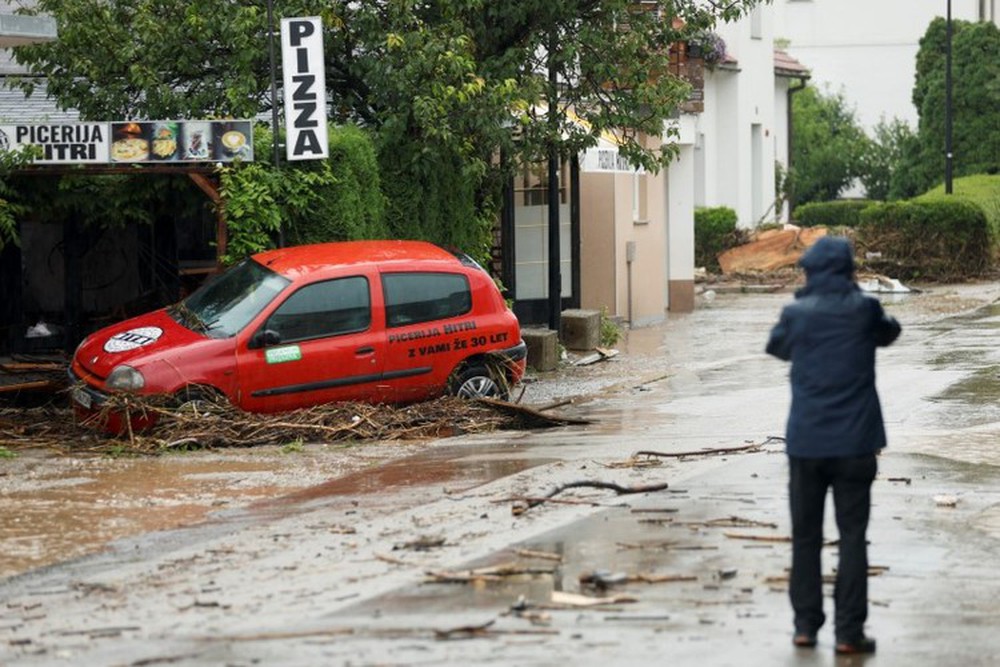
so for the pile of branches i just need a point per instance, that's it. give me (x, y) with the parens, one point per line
(216, 423)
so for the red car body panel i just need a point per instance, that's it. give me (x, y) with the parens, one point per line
(373, 362)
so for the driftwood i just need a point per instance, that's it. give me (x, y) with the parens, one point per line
(527, 503)
(753, 447)
(219, 424)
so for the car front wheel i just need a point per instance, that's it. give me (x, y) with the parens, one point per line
(479, 382)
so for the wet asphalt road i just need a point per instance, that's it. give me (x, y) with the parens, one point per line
(338, 575)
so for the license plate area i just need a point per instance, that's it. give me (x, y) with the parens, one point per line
(82, 398)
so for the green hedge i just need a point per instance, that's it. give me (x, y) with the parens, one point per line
(714, 229)
(840, 213)
(980, 189)
(933, 238)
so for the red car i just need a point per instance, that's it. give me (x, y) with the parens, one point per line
(373, 321)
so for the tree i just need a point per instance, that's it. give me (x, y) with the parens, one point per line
(828, 148)
(447, 85)
(975, 106)
(883, 156)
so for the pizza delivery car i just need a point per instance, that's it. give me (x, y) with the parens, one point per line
(370, 321)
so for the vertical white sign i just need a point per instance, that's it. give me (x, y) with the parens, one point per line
(305, 88)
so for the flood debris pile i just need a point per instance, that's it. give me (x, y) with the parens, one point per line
(207, 424)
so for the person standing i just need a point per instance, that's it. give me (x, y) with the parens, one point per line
(835, 429)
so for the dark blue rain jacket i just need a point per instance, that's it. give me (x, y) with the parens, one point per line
(830, 333)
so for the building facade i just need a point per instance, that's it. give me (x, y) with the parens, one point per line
(867, 50)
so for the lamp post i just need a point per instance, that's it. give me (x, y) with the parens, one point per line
(947, 105)
(274, 104)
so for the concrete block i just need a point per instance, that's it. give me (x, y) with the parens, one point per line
(580, 329)
(543, 348)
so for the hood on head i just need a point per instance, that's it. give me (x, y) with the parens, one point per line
(829, 266)
(830, 254)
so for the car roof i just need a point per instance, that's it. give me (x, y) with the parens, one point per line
(305, 259)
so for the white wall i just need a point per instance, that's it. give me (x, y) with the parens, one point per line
(865, 49)
(735, 170)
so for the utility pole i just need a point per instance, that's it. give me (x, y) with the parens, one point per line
(947, 107)
(274, 104)
(555, 278)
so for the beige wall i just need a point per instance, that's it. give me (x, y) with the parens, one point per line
(634, 291)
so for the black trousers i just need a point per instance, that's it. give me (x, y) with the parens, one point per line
(851, 480)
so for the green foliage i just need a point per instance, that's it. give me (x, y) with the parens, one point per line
(611, 333)
(11, 204)
(153, 58)
(7, 454)
(312, 201)
(883, 157)
(939, 237)
(840, 213)
(446, 85)
(338, 199)
(828, 147)
(296, 446)
(975, 106)
(713, 231)
(981, 189)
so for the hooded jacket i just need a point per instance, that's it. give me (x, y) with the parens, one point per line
(830, 334)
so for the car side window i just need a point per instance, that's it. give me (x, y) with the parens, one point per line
(328, 308)
(414, 297)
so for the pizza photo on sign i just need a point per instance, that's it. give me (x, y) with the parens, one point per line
(129, 145)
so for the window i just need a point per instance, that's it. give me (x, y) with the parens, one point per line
(639, 197)
(756, 24)
(421, 297)
(328, 308)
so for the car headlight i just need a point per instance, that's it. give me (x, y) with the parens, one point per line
(125, 378)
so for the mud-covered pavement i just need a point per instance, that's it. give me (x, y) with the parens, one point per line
(334, 569)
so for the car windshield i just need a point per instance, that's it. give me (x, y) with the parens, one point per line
(225, 304)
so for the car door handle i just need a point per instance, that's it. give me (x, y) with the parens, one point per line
(365, 350)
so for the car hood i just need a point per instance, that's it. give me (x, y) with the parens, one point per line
(134, 340)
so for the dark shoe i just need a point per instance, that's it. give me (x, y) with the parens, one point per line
(858, 646)
(804, 640)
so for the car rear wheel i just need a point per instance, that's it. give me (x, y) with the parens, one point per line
(479, 382)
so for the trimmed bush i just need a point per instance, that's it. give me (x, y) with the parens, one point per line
(981, 189)
(934, 238)
(714, 231)
(839, 213)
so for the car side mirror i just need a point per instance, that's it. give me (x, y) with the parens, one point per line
(264, 338)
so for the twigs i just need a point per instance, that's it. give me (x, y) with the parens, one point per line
(753, 447)
(524, 504)
(218, 424)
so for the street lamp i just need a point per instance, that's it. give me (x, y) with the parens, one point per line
(947, 105)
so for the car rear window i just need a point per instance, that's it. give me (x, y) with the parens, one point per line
(328, 308)
(415, 297)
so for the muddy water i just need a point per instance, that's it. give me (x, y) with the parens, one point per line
(68, 513)
(940, 396)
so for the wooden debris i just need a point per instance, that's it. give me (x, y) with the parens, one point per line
(223, 425)
(390, 559)
(572, 600)
(520, 508)
(753, 447)
(758, 538)
(421, 544)
(485, 574)
(770, 250)
(485, 630)
(665, 546)
(544, 555)
(728, 522)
